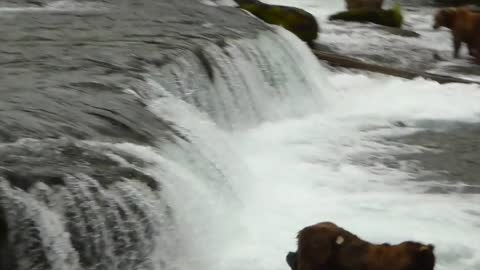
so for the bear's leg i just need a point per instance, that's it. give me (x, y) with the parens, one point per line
(476, 54)
(457, 42)
(471, 49)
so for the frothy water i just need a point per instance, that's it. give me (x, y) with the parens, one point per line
(309, 171)
(293, 172)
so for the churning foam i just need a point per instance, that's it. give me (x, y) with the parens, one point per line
(293, 172)
(307, 170)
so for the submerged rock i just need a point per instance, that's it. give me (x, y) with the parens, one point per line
(391, 17)
(296, 20)
(399, 31)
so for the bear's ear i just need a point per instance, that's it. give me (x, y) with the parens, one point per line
(428, 247)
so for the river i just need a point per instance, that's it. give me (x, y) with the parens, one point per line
(186, 135)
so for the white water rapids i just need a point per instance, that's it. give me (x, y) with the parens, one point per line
(289, 172)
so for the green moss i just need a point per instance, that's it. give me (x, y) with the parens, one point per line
(392, 17)
(299, 22)
(397, 14)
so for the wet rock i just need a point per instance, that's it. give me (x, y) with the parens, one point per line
(391, 17)
(23, 166)
(36, 3)
(296, 20)
(438, 57)
(364, 4)
(456, 2)
(399, 31)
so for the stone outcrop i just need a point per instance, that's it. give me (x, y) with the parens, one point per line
(391, 17)
(298, 21)
(364, 4)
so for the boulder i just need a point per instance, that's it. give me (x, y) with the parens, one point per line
(391, 17)
(298, 21)
(456, 2)
(364, 4)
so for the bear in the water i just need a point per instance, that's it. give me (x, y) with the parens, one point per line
(465, 27)
(325, 246)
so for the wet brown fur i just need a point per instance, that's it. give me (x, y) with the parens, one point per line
(318, 249)
(465, 27)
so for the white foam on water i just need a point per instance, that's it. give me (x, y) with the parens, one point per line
(74, 5)
(308, 171)
(303, 170)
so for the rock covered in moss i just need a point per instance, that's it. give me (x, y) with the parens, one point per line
(456, 2)
(296, 20)
(391, 17)
(364, 4)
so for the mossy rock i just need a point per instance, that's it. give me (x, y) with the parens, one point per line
(456, 2)
(391, 17)
(296, 20)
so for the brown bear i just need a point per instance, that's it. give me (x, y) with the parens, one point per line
(325, 246)
(364, 4)
(465, 27)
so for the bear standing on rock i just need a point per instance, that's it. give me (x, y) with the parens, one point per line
(325, 246)
(465, 27)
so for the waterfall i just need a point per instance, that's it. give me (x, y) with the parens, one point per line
(129, 206)
(213, 153)
(241, 83)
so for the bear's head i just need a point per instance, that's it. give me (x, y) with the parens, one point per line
(325, 246)
(319, 243)
(414, 255)
(445, 18)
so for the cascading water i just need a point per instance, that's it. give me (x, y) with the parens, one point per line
(243, 82)
(256, 140)
(131, 206)
(323, 165)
